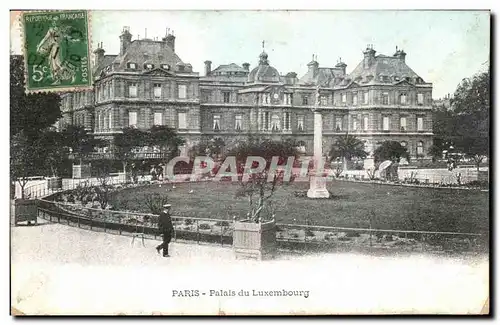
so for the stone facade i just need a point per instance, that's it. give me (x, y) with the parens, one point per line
(147, 84)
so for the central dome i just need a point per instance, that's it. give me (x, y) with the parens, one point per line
(264, 72)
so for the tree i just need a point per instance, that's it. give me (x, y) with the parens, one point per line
(29, 113)
(347, 147)
(471, 107)
(126, 142)
(26, 159)
(258, 188)
(390, 150)
(166, 139)
(54, 151)
(80, 141)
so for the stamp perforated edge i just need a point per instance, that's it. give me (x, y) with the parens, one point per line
(23, 52)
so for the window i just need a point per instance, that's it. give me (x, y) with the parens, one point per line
(237, 120)
(132, 119)
(157, 90)
(132, 90)
(420, 123)
(385, 98)
(344, 98)
(182, 121)
(402, 123)
(355, 98)
(132, 65)
(323, 100)
(266, 121)
(275, 122)
(420, 148)
(165, 66)
(305, 100)
(158, 118)
(216, 123)
(365, 97)
(365, 123)
(266, 98)
(106, 120)
(420, 99)
(148, 66)
(338, 124)
(402, 98)
(182, 91)
(385, 123)
(286, 121)
(354, 123)
(110, 120)
(226, 96)
(300, 123)
(288, 99)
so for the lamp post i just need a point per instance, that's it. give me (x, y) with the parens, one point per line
(317, 182)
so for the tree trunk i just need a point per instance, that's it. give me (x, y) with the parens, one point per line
(344, 163)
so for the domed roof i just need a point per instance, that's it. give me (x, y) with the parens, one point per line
(264, 72)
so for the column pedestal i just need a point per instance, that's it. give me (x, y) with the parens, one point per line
(317, 183)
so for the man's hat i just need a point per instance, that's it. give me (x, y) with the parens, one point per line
(167, 205)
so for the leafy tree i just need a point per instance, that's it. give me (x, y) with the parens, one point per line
(390, 150)
(80, 141)
(260, 187)
(213, 148)
(347, 147)
(126, 142)
(471, 107)
(54, 151)
(166, 139)
(29, 113)
(26, 159)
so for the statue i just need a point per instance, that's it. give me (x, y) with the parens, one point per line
(318, 99)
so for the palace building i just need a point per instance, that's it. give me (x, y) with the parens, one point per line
(148, 84)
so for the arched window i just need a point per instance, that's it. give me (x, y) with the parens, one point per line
(420, 148)
(275, 122)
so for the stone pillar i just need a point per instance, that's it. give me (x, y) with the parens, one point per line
(317, 185)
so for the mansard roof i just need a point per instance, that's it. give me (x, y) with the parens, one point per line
(384, 69)
(321, 76)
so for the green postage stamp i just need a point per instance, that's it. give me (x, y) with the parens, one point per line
(56, 50)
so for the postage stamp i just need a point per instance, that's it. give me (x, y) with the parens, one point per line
(56, 50)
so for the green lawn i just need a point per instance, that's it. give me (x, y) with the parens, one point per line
(394, 207)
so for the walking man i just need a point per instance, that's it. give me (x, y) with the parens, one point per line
(166, 228)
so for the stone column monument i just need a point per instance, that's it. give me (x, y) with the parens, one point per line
(317, 183)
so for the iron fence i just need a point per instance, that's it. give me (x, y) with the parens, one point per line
(135, 224)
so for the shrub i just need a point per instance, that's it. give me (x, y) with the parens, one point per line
(329, 236)
(344, 238)
(188, 222)
(204, 226)
(352, 234)
(222, 223)
(71, 198)
(294, 235)
(309, 233)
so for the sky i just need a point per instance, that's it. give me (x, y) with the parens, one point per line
(443, 47)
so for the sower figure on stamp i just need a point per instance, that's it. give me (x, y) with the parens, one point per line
(166, 228)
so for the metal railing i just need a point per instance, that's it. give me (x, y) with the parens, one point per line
(311, 237)
(128, 223)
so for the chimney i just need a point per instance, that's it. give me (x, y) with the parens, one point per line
(369, 56)
(313, 66)
(99, 55)
(125, 40)
(341, 65)
(169, 39)
(208, 67)
(246, 66)
(400, 54)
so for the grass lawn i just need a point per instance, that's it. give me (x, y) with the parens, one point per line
(394, 207)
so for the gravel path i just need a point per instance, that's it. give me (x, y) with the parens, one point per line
(58, 269)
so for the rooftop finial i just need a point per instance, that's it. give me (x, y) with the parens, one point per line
(396, 48)
(263, 45)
